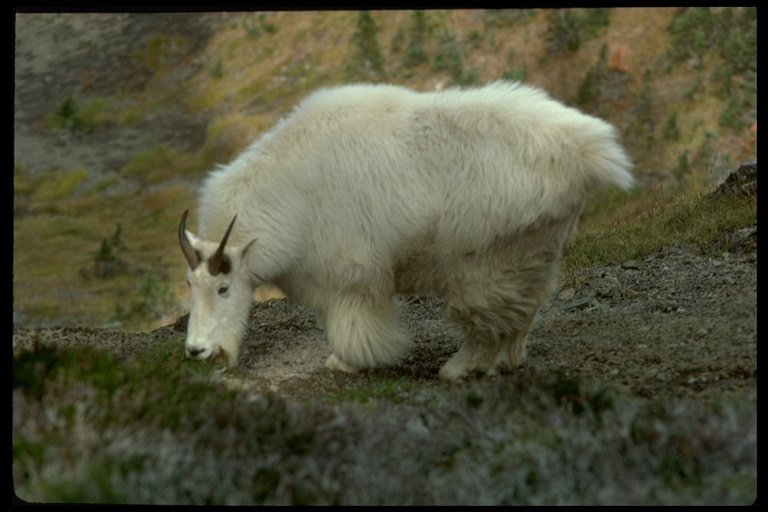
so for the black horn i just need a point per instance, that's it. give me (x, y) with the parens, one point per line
(193, 258)
(218, 264)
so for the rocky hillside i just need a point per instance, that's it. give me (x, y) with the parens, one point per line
(118, 117)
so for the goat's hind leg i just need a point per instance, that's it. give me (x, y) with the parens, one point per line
(488, 351)
(495, 317)
(511, 349)
(477, 354)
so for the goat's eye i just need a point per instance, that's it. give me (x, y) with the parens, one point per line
(223, 290)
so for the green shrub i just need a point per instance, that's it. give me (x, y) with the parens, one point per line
(217, 69)
(732, 32)
(517, 74)
(106, 263)
(161, 51)
(254, 29)
(505, 17)
(671, 131)
(417, 30)
(366, 61)
(643, 110)
(739, 49)
(683, 168)
(592, 20)
(58, 185)
(449, 58)
(151, 299)
(475, 39)
(590, 88)
(514, 73)
(731, 116)
(563, 33)
(69, 117)
(691, 33)
(568, 28)
(696, 86)
(398, 40)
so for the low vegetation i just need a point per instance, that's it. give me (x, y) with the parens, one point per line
(618, 228)
(161, 429)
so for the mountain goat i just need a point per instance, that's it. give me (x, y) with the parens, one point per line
(365, 191)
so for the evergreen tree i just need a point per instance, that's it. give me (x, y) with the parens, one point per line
(367, 60)
(415, 54)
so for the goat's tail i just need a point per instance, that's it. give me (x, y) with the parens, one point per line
(605, 163)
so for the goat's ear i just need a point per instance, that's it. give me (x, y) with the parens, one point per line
(244, 251)
(191, 236)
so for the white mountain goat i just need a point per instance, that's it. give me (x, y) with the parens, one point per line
(365, 191)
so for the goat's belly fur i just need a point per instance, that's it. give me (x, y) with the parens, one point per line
(366, 191)
(491, 292)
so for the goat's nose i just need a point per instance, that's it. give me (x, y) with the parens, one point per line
(194, 352)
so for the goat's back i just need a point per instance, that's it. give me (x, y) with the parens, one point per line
(365, 171)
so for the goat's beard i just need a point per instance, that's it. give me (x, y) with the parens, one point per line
(228, 356)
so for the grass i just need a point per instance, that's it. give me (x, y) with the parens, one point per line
(371, 392)
(160, 163)
(84, 115)
(76, 226)
(229, 134)
(161, 51)
(158, 428)
(651, 220)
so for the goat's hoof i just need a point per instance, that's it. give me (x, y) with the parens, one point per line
(452, 372)
(334, 363)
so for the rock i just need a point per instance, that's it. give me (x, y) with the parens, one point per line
(741, 181)
(631, 265)
(606, 290)
(567, 295)
(579, 304)
(607, 286)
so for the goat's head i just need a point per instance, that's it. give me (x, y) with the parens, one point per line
(221, 295)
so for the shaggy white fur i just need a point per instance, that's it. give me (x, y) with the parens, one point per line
(365, 191)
